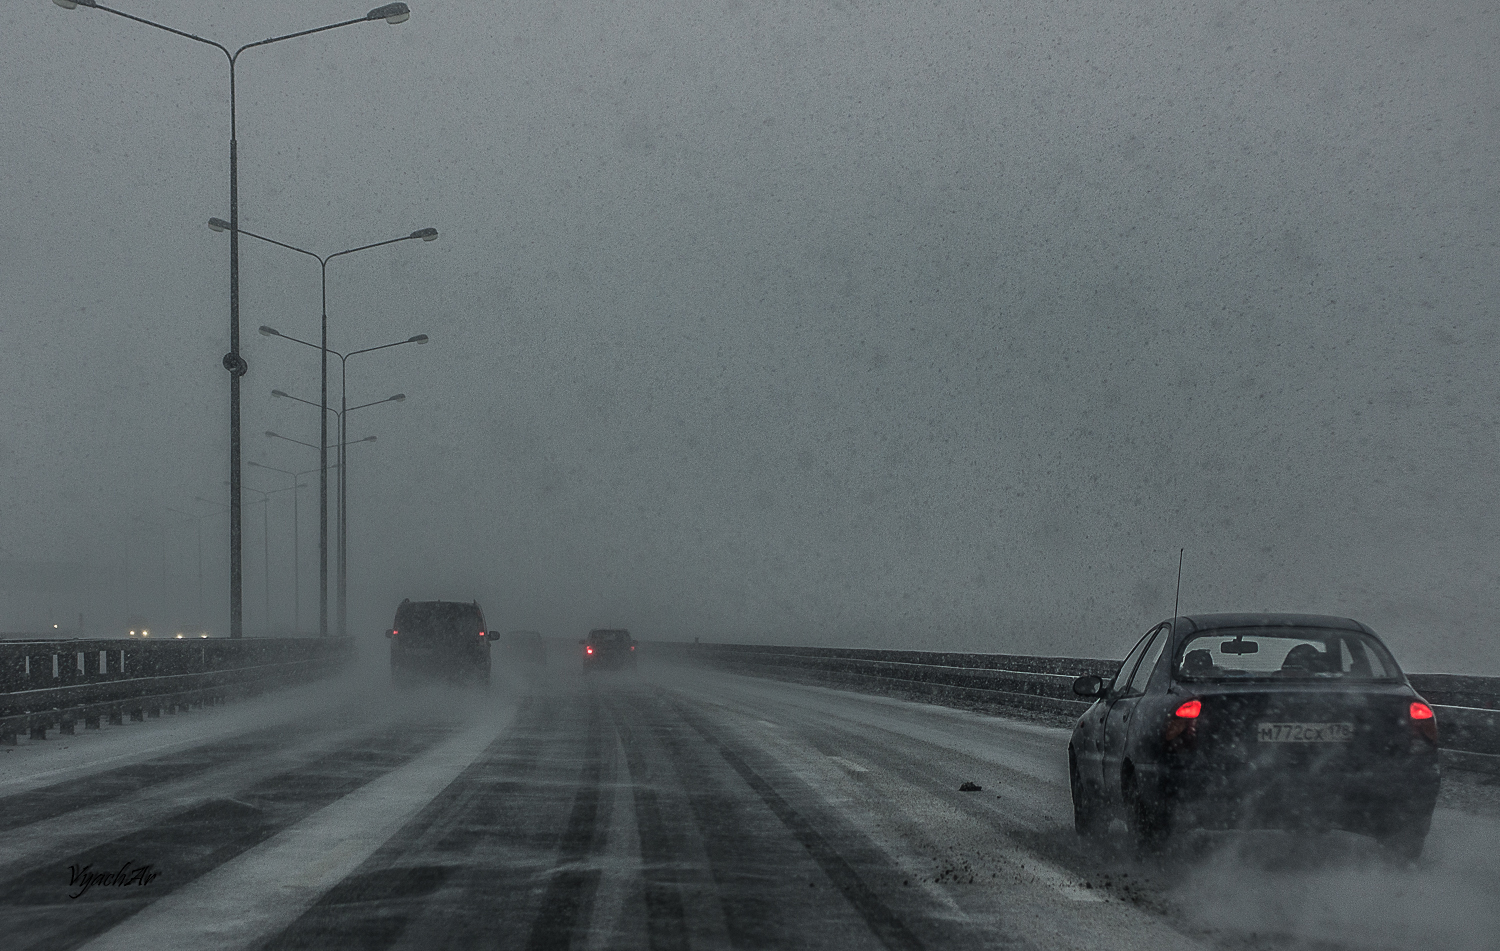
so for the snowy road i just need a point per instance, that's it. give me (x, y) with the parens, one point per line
(673, 809)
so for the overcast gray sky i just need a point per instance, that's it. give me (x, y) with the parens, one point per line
(891, 324)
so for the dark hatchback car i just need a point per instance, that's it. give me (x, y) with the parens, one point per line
(1256, 721)
(608, 649)
(439, 640)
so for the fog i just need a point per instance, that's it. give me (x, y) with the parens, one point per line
(1333, 890)
(923, 326)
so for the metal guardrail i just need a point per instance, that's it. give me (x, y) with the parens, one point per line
(54, 684)
(1468, 707)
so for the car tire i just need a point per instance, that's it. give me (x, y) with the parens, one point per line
(1403, 845)
(1150, 826)
(1088, 811)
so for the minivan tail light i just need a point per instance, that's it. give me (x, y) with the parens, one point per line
(1191, 709)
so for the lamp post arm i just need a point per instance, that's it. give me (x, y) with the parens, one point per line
(163, 26)
(384, 346)
(308, 402)
(377, 244)
(375, 403)
(304, 343)
(290, 439)
(293, 36)
(282, 244)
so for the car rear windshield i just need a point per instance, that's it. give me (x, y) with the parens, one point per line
(438, 619)
(1306, 654)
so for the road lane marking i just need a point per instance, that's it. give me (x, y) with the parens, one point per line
(618, 861)
(267, 888)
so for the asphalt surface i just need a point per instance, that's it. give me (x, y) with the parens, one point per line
(670, 808)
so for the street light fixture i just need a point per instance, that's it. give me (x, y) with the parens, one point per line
(424, 234)
(233, 361)
(343, 522)
(390, 13)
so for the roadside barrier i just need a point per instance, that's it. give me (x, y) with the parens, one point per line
(47, 685)
(1468, 707)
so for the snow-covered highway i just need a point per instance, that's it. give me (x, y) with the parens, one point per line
(676, 808)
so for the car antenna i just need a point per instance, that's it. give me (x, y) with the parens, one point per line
(1177, 601)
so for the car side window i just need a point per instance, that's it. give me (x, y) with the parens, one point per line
(1131, 659)
(1147, 666)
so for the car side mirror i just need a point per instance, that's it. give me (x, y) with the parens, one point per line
(1089, 685)
(492, 636)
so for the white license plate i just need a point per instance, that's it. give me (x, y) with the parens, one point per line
(1304, 732)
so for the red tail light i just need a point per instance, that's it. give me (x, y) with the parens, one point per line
(1423, 727)
(588, 650)
(632, 647)
(1181, 731)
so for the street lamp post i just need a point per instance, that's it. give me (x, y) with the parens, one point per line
(309, 445)
(233, 361)
(425, 234)
(296, 488)
(343, 479)
(342, 530)
(265, 534)
(419, 339)
(340, 447)
(198, 526)
(265, 541)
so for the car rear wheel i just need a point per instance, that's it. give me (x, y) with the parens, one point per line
(1403, 845)
(1151, 826)
(1088, 819)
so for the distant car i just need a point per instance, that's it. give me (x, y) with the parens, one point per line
(440, 640)
(1280, 721)
(608, 649)
(527, 646)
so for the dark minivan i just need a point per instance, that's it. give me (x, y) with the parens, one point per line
(440, 640)
(1257, 721)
